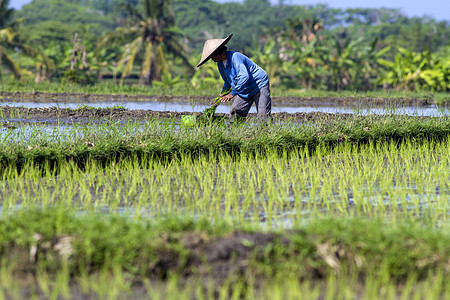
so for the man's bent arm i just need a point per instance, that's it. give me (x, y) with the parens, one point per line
(242, 77)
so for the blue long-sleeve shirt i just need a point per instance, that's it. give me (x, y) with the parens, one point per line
(244, 76)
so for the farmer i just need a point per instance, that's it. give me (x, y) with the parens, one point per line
(249, 82)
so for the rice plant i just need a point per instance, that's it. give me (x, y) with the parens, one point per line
(335, 209)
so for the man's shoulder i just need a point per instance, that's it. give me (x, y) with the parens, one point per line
(237, 55)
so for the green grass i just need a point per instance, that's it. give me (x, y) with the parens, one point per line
(164, 140)
(87, 107)
(108, 88)
(60, 250)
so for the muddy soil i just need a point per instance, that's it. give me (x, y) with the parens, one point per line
(53, 114)
(44, 97)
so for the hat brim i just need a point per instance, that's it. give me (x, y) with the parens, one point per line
(205, 59)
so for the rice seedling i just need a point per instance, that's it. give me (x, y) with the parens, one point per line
(164, 139)
(208, 114)
(407, 181)
(329, 209)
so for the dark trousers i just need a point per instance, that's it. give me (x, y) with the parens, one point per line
(241, 106)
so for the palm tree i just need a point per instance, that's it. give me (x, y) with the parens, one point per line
(9, 41)
(153, 34)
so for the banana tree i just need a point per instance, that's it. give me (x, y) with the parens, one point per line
(351, 63)
(339, 62)
(299, 48)
(368, 68)
(306, 64)
(415, 71)
(167, 81)
(268, 57)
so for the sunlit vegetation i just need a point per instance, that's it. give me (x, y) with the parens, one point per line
(146, 42)
(278, 212)
(199, 206)
(393, 180)
(165, 139)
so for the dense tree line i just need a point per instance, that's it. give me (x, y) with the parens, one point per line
(300, 46)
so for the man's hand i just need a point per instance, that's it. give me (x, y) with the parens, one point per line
(226, 98)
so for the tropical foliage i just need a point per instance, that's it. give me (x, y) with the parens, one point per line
(11, 43)
(416, 71)
(7, 35)
(153, 33)
(301, 47)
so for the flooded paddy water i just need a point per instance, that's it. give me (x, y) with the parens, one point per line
(270, 193)
(22, 113)
(195, 104)
(412, 181)
(26, 118)
(224, 108)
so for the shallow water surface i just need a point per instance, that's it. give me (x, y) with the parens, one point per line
(24, 131)
(225, 108)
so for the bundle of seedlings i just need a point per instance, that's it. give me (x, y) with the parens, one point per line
(207, 116)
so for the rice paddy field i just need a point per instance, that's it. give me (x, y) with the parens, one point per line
(317, 206)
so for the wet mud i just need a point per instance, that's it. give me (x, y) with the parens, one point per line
(85, 115)
(44, 97)
(11, 114)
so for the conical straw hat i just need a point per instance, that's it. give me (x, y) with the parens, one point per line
(211, 46)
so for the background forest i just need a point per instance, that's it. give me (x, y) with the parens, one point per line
(159, 42)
